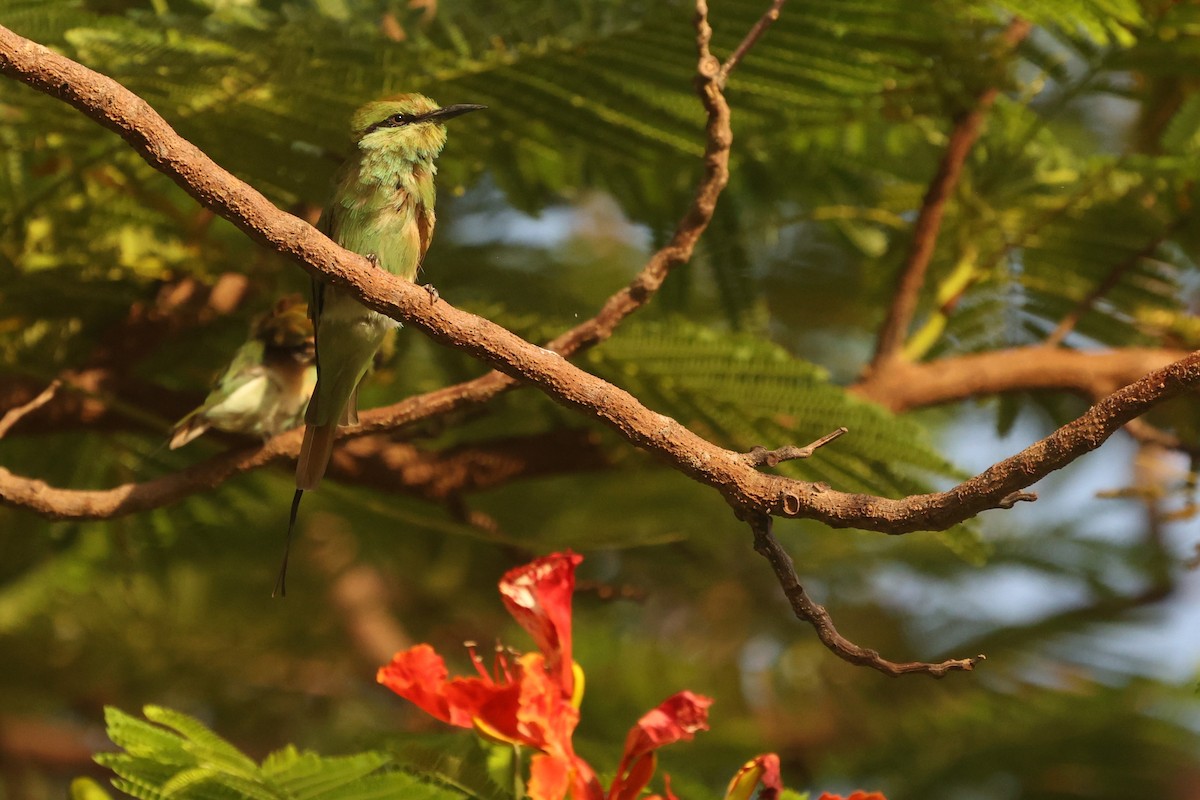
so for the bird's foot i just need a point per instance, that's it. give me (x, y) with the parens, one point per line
(433, 292)
(374, 259)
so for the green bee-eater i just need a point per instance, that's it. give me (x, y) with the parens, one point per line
(382, 208)
(266, 387)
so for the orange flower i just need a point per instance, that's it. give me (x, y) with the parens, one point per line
(538, 595)
(533, 700)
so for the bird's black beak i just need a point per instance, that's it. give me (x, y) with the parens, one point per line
(450, 112)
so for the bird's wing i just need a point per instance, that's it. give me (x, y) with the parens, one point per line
(425, 223)
(317, 294)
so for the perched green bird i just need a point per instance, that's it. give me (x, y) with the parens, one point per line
(382, 208)
(266, 387)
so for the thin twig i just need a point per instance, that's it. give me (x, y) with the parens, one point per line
(1008, 501)
(755, 33)
(812, 612)
(14, 415)
(761, 456)
(933, 208)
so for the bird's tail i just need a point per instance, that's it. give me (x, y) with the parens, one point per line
(314, 455)
(187, 429)
(280, 589)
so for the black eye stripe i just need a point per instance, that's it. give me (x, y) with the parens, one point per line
(395, 121)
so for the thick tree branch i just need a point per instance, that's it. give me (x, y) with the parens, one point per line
(903, 386)
(812, 612)
(741, 484)
(933, 208)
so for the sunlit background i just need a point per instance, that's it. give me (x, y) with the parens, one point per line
(1086, 603)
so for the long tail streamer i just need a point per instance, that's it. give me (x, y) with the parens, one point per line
(280, 589)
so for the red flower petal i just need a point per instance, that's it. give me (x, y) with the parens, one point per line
(419, 676)
(549, 778)
(493, 707)
(632, 778)
(538, 595)
(527, 709)
(676, 719)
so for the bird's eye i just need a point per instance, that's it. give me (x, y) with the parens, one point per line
(399, 119)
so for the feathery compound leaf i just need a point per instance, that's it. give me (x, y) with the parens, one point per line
(744, 391)
(192, 762)
(305, 775)
(1102, 21)
(200, 741)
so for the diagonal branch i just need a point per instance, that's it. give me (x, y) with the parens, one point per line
(933, 208)
(903, 386)
(812, 612)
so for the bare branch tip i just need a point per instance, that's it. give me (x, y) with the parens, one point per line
(1017, 497)
(760, 456)
(752, 36)
(15, 415)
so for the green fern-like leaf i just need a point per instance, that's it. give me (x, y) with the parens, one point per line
(175, 756)
(207, 746)
(743, 391)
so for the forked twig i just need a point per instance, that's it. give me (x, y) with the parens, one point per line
(812, 612)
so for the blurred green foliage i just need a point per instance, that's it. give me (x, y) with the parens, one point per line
(548, 203)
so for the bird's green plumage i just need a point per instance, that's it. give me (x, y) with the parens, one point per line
(382, 207)
(266, 386)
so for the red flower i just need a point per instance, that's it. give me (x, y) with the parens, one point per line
(520, 704)
(538, 595)
(534, 699)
